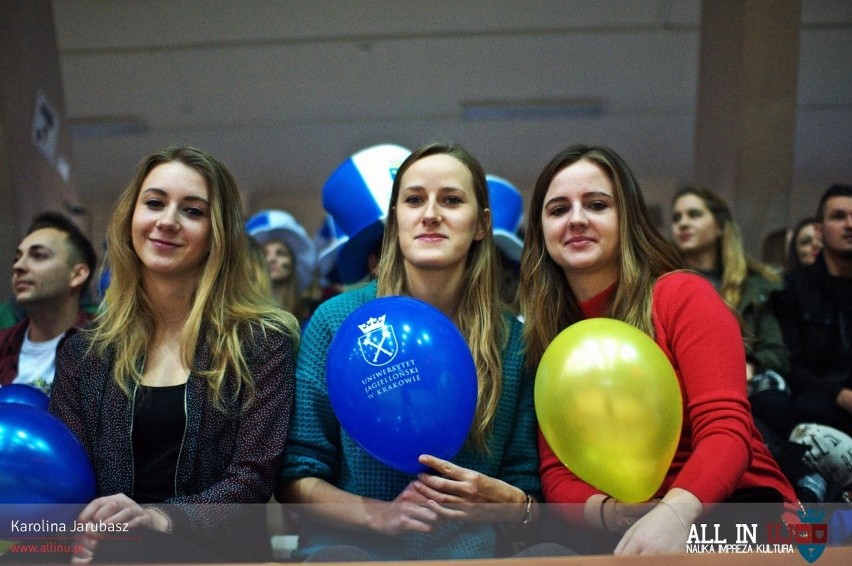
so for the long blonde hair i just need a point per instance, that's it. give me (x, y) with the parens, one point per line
(229, 304)
(547, 303)
(734, 263)
(479, 314)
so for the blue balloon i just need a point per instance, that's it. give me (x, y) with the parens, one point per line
(24, 394)
(402, 381)
(43, 468)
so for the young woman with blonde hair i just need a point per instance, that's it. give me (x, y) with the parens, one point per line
(181, 391)
(709, 241)
(592, 250)
(437, 247)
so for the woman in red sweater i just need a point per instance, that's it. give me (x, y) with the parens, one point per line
(592, 250)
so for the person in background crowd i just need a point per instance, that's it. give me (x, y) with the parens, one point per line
(181, 392)
(438, 247)
(804, 245)
(708, 239)
(815, 312)
(591, 250)
(53, 266)
(291, 259)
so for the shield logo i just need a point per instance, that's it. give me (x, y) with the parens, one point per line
(378, 342)
(811, 535)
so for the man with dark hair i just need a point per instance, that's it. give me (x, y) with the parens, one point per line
(815, 313)
(53, 266)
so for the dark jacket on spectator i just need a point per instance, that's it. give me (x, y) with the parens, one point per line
(815, 313)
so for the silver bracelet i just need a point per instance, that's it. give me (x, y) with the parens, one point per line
(527, 511)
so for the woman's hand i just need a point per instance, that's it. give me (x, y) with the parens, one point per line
(120, 509)
(462, 494)
(408, 512)
(114, 509)
(665, 528)
(84, 550)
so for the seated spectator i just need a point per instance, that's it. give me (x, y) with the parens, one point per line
(53, 266)
(709, 241)
(804, 245)
(815, 312)
(181, 392)
(591, 250)
(291, 259)
(438, 247)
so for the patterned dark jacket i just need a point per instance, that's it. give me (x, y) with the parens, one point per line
(226, 458)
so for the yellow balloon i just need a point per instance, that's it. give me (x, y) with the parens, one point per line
(609, 404)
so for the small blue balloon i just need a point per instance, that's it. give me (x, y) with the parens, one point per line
(402, 381)
(43, 468)
(24, 394)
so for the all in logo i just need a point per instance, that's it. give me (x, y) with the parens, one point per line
(811, 534)
(378, 344)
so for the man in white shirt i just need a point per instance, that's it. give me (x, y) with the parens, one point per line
(53, 266)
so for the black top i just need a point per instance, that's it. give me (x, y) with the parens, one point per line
(159, 421)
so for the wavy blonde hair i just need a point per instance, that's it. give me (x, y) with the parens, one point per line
(229, 304)
(479, 315)
(547, 303)
(734, 263)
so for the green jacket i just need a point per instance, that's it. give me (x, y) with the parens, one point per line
(764, 343)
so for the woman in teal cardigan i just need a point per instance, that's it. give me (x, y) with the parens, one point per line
(437, 247)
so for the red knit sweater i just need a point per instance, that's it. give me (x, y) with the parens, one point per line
(720, 450)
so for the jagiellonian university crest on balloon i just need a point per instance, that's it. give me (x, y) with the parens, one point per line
(378, 343)
(811, 534)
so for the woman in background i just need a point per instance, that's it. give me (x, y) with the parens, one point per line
(804, 245)
(290, 257)
(709, 241)
(181, 392)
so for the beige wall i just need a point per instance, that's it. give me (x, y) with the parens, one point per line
(29, 181)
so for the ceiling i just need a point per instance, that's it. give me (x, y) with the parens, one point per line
(284, 91)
